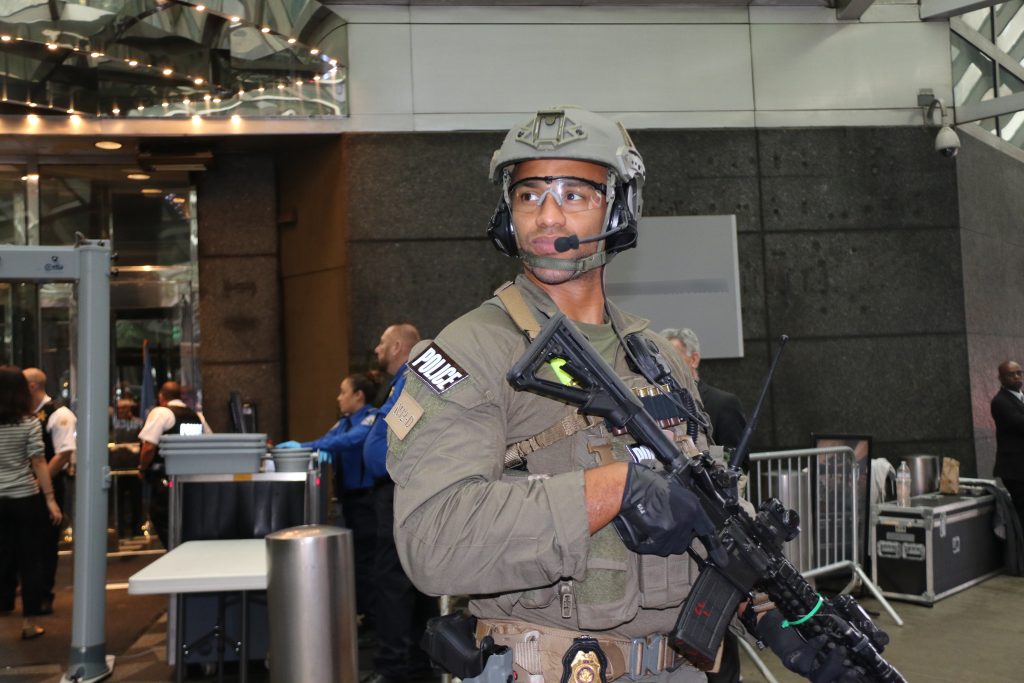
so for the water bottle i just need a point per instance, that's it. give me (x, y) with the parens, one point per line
(903, 485)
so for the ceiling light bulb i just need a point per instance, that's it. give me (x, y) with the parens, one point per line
(168, 71)
(133, 62)
(314, 51)
(291, 41)
(216, 100)
(152, 190)
(260, 89)
(115, 110)
(6, 39)
(200, 8)
(265, 29)
(198, 81)
(108, 144)
(33, 105)
(317, 77)
(206, 97)
(280, 86)
(138, 176)
(165, 104)
(186, 101)
(51, 46)
(95, 55)
(140, 108)
(30, 176)
(235, 20)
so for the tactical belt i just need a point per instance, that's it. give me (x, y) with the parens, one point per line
(538, 650)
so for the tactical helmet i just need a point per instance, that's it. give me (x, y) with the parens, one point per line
(568, 132)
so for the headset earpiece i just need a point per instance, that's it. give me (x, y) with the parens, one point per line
(621, 219)
(500, 230)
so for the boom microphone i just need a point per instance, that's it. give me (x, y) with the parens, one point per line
(563, 244)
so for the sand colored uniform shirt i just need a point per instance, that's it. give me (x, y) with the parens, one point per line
(466, 525)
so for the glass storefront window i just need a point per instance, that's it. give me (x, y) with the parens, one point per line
(1008, 26)
(12, 204)
(973, 76)
(980, 20)
(1010, 125)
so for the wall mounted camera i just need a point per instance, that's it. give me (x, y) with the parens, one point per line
(947, 142)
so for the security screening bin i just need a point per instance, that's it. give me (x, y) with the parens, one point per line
(939, 545)
(311, 599)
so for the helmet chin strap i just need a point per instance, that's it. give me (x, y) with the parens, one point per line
(577, 266)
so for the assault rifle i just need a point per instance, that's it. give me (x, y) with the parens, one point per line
(744, 554)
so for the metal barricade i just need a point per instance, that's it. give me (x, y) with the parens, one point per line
(821, 485)
(823, 480)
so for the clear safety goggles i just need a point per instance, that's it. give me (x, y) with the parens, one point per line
(572, 194)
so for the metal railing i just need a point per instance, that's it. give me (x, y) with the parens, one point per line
(821, 484)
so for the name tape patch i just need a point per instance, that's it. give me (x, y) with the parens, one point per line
(404, 415)
(435, 368)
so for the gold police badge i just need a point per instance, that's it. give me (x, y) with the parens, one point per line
(584, 662)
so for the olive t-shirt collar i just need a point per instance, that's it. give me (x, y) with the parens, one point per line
(625, 323)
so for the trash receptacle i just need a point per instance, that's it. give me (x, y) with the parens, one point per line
(311, 604)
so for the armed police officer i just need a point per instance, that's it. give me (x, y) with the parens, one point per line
(508, 496)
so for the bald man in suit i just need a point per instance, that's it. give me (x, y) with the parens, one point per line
(1008, 413)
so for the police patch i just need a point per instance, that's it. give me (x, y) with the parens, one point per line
(368, 420)
(437, 370)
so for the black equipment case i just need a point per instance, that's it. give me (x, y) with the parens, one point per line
(939, 545)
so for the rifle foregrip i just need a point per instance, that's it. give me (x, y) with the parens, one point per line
(706, 615)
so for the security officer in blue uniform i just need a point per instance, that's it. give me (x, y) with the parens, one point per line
(353, 484)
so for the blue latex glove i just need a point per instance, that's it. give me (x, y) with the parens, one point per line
(326, 456)
(289, 444)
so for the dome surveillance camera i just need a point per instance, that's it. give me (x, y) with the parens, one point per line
(947, 143)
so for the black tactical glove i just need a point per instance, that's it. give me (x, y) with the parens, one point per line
(802, 656)
(659, 516)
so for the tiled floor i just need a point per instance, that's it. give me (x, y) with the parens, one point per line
(975, 635)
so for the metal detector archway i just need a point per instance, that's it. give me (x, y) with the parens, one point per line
(88, 265)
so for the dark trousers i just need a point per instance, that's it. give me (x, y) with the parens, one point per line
(159, 505)
(401, 611)
(1016, 489)
(23, 528)
(51, 541)
(361, 518)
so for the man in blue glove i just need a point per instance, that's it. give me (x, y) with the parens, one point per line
(343, 447)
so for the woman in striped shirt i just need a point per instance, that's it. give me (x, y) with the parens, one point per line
(27, 504)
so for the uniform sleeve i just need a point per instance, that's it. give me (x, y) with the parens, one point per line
(62, 425)
(338, 439)
(160, 419)
(375, 448)
(1007, 416)
(461, 527)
